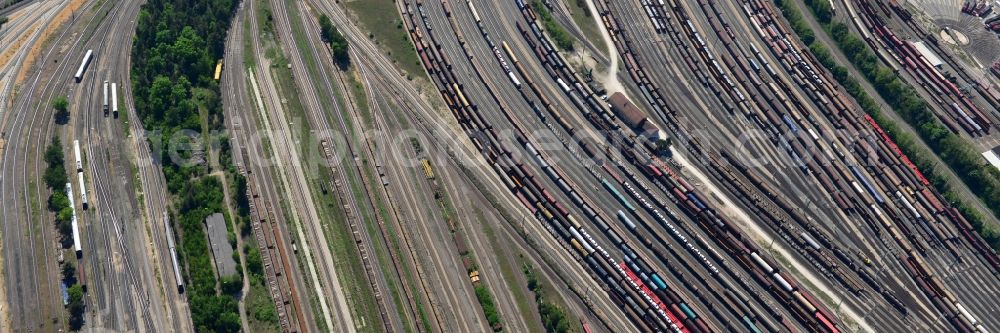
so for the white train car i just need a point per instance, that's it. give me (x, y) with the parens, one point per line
(83, 191)
(114, 100)
(75, 226)
(105, 108)
(76, 152)
(173, 253)
(83, 65)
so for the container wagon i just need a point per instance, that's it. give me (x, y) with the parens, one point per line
(83, 65)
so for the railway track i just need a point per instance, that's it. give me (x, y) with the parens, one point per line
(856, 122)
(278, 272)
(41, 126)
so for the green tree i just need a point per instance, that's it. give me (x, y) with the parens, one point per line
(76, 306)
(54, 153)
(554, 319)
(58, 201)
(326, 28)
(55, 178)
(254, 263)
(62, 108)
(68, 272)
(65, 214)
(338, 44)
(174, 51)
(64, 222)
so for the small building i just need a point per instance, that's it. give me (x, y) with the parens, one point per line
(993, 156)
(222, 251)
(928, 54)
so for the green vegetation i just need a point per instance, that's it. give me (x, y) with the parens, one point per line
(337, 230)
(68, 272)
(231, 284)
(209, 311)
(260, 310)
(381, 19)
(508, 269)
(482, 293)
(55, 175)
(239, 193)
(3, 20)
(55, 179)
(553, 317)
(337, 42)
(562, 38)
(590, 28)
(956, 152)
(174, 54)
(76, 307)
(62, 109)
(486, 301)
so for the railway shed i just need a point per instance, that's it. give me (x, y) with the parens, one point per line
(222, 251)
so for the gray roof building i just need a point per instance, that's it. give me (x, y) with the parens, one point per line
(222, 252)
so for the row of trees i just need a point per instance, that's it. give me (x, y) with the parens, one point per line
(76, 304)
(332, 36)
(173, 56)
(955, 151)
(55, 179)
(562, 38)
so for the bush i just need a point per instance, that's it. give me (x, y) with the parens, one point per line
(232, 285)
(265, 314)
(215, 313)
(553, 317)
(489, 309)
(254, 263)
